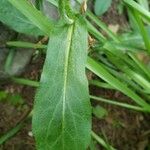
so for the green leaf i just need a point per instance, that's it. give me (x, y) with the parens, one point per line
(101, 6)
(99, 70)
(22, 44)
(10, 16)
(31, 13)
(102, 142)
(100, 112)
(62, 111)
(140, 9)
(10, 133)
(36, 17)
(15, 99)
(3, 95)
(144, 3)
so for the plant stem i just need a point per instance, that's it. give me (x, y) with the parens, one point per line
(142, 29)
(64, 9)
(102, 26)
(25, 81)
(101, 141)
(21, 44)
(128, 106)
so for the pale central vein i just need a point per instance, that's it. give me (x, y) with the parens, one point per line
(66, 66)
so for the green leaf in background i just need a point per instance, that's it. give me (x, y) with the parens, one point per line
(62, 110)
(100, 112)
(101, 6)
(13, 99)
(34, 16)
(3, 95)
(10, 16)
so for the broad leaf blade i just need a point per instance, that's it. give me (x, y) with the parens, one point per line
(32, 14)
(10, 16)
(62, 112)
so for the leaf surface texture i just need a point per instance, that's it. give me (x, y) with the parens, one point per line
(62, 112)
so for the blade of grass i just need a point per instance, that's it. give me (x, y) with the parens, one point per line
(139, 79)
(139, 8)
(125, 48)
(95, 32)
(122, 77)
(10, 133)
(36, 84)
(100, 71)
(114, 102)
(101, 84)
(140, 64)
(22, 44)
(144, 3)
(134, 75)
(27, 114)
(102, 26)
(120, 55)
(142, 29)
(101, 141)
(9, 59)
(25, 81)
(55, 3)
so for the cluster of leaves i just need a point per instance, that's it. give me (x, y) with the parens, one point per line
(62, 112)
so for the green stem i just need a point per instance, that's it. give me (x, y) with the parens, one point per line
(140, 64)
(112, 102)
(142, 29)
(25, 82)
(101, 141)
(101, 84)
(22, 44)
(9, 59)
(15, 129)
(10, 133)
(102, 26)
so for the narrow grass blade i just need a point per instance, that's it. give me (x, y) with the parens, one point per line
(102, 26)
(21, 44)
(25, 81)
(100, 71)
(142, 30)
(10, 133)
(145, 69)
(139, 8)
(9, 59)
(101, 84)
(114, 102)
(101, 141)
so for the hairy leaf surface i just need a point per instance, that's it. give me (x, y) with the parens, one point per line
(62, 112)
(10, 16)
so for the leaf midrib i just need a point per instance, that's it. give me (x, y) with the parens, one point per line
(66, 67)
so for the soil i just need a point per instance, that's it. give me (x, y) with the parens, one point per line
(124, 129)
